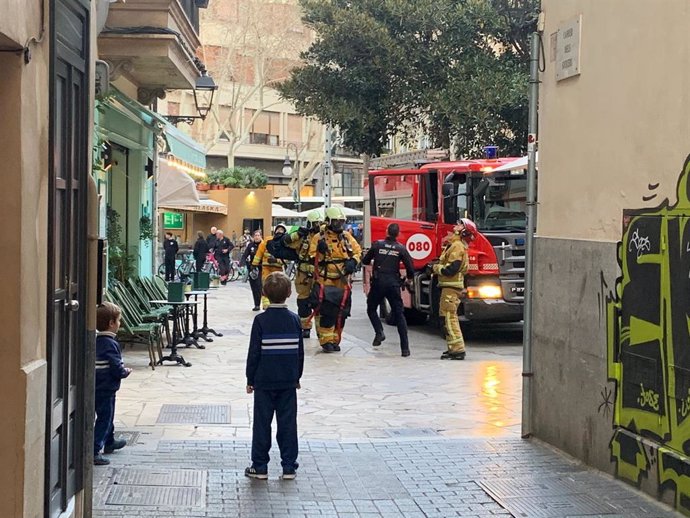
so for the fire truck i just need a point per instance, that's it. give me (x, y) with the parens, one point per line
(426, 202)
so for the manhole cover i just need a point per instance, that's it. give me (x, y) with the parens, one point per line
(155, 496)
(411, 432)
(194, 414)
(130, 437)
(555, 506)
(528, 486)
(162, 477)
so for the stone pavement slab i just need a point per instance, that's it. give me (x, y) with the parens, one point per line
(382, 478)
(381, 435)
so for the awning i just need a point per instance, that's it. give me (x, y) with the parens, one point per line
(184, 147)
(346, 210)
(177, 190)
(281, 212)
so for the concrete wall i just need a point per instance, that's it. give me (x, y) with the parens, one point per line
(23, 212)
(613, 138)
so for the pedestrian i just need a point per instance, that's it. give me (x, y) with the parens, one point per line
(336, 254)
(387, 255)
(110, 370)
(275, 362)
(211, 240)
(300, 240)
(234, 238)
(170, 248)
(451, 270)
(265, 263)
(253, 275)
(222, 250)
(247, 237)
(200, 251)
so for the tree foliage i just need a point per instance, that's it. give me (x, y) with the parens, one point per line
(455, 68)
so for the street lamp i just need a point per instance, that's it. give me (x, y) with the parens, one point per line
(204, 89)
(288, 171)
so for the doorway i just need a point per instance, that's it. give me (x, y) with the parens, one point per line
(66, 413)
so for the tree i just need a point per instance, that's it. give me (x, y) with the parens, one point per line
(248, 53)
(457, 68)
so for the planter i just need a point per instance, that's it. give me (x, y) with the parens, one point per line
(216, 187)
(202, 187)
(214, 282)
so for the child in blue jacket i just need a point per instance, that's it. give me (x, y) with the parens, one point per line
(110, 370)
(274, 367)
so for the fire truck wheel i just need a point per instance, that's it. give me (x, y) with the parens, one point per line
(415, 317)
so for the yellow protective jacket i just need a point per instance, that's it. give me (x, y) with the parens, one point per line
(301, 245)
(341, 246)
(453, 264)
(266, 260)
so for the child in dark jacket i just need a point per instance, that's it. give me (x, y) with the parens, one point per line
(110, 370)
(274, 368)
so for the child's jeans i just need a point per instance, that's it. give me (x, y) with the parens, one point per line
(284, 404)
(105, 413)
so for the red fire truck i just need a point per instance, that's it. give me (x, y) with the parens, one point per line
(427, 202)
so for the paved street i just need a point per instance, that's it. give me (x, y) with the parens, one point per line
(380, 435)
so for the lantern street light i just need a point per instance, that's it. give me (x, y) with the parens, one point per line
(204, 90)
(288, 171)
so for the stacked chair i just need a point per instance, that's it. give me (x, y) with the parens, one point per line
(142, 323)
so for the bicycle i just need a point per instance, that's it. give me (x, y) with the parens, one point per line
(184, 267)
(211, 265)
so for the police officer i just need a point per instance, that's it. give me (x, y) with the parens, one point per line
(336, 254)
(170, 249)
(387, 255)
(254, 275)
(451, 270)
(300, 240)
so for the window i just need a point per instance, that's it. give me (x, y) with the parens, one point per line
(294, 129)
(265, 129)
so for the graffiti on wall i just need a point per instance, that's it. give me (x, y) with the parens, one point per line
(648, 338)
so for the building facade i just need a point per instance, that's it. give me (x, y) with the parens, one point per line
(611, 340)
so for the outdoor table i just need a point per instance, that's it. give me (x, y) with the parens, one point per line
(176, 334)
(205, 330)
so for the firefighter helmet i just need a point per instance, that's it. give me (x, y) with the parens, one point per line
(335, 218)
(279, 229)
(314, 219)
(469, 230)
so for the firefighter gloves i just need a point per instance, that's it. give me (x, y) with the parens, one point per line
(350, 266)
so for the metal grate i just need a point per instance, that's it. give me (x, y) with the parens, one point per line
(543, 498)
(556, 506)
(159, 477)
(155, 496)
(194, 414)
(130, 437)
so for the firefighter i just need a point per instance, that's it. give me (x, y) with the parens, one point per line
(451, 270)
(266, 262)
(336, 255)
(300, 240)
(387, 255)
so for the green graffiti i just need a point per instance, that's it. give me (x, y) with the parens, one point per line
(648, 344)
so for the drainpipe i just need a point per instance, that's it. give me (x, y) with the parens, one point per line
(527, 373)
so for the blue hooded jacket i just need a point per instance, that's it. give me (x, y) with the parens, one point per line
(110, 368)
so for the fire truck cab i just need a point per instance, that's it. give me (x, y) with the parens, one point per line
(427, 202)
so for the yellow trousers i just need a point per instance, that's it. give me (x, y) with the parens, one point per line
(265, 272)
(327, 327)
(448, 309)
(303, 284)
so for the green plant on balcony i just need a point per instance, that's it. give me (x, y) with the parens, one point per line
(121, 264)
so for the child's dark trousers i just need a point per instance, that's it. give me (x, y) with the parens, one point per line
(105, 414)
(284, 404)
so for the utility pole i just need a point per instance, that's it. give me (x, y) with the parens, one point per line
(328, 166)
(533, 122)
